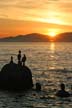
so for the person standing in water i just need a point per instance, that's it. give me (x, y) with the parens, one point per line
(62, 92)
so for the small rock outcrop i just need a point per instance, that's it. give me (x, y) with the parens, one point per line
(15, 77)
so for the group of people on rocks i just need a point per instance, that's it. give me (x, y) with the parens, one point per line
(21, 60)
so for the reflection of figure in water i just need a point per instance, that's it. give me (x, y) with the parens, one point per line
(11, 59)
(19, 57)
(62, 92)
(23, 60)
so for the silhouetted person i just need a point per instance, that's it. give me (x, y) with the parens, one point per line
(11, 59)
(62, 92)
(19, 57)
(23, 60)
(38, 87)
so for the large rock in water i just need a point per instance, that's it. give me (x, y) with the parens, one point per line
(15, 77)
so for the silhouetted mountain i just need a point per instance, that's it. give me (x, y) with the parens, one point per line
(64, 37)
(35, 37)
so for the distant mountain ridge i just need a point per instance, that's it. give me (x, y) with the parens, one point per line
(36, 37)
(64, 37)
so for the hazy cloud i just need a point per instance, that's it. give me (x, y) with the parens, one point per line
(34, 9)
(3, 15)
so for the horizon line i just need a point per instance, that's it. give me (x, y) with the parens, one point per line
(30, 34)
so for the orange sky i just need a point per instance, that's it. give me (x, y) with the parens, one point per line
(35, 16)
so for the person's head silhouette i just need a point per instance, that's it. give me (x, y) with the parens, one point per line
(19, 51)
(38, 86)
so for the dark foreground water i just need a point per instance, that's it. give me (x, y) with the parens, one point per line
(51, 64)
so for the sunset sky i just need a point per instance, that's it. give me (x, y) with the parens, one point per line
(35, 16)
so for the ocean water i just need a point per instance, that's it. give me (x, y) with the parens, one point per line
(50, 63)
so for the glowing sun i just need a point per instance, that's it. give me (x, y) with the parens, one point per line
(52, 34)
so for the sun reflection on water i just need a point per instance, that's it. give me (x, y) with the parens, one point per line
(51, 63)
(52, 47)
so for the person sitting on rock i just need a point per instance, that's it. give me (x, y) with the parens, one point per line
(11, 59)
(19, 57)
(62, 92)
(23, 60)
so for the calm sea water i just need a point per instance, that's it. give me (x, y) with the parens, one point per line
(50, 63)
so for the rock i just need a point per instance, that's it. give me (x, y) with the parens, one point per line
(15, 77)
